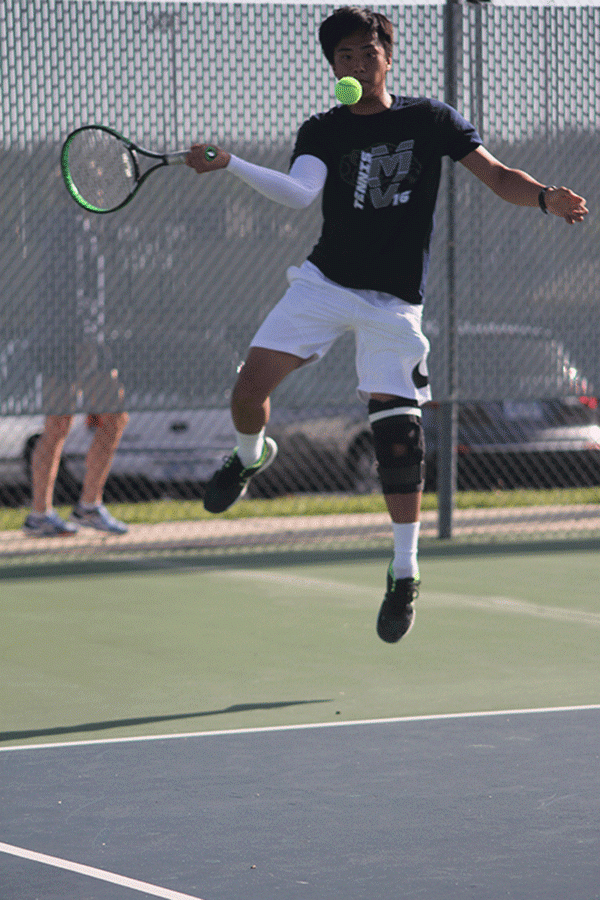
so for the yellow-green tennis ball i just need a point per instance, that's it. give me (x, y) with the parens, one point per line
(348, 90)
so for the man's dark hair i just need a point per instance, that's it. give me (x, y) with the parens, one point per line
(348, 20)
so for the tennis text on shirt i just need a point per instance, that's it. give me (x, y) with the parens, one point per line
(380, 174)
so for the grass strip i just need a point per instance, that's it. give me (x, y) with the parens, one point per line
(318, 505)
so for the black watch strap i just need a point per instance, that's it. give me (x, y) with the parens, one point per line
(542, 197)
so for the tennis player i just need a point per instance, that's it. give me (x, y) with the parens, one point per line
(378, 164)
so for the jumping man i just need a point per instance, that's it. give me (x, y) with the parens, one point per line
(378, 164)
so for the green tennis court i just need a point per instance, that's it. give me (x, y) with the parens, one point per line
(364, 792)
(185, 645)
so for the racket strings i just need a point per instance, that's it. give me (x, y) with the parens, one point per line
(101, 169)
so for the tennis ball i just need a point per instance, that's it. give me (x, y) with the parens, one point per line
(348, 90)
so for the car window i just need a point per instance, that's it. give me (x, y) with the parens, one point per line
(517, 410)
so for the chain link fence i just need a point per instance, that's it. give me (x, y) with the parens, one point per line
(167, 292)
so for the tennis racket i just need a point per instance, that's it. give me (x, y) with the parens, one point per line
(103, 170)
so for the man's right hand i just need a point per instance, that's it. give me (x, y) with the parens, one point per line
(201, 158)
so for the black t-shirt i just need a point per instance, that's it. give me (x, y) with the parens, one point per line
(383, 175)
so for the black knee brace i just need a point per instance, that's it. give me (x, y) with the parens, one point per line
(399, 445)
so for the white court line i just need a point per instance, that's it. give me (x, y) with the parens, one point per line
(90, 872)
(518, 607)
(307, 726)
(487, 604)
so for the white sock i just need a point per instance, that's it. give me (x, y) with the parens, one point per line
(406, 540)
(250, 446)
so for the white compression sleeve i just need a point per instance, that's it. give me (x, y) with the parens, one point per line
(297, 190)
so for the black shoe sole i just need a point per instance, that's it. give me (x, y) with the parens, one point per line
(391, 630)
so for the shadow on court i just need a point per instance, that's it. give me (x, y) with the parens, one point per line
(502, 805)
(85, 727)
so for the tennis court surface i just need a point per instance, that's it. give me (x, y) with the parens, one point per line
(236, 731)
(490, 806)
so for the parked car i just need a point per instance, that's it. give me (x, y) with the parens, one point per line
(501, 444)
(535, 444)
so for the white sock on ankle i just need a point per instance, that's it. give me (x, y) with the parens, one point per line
(406, 540)
(250, 446)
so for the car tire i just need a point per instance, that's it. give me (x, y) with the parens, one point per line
(362, 465)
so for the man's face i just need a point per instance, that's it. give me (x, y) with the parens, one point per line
(364, 57)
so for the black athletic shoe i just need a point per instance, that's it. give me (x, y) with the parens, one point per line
(397, 613)
(230, 482)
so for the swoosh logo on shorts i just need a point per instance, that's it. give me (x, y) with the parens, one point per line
(419, 379)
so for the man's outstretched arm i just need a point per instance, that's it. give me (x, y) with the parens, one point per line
(518, 187)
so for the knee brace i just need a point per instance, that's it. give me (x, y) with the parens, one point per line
(399, 445)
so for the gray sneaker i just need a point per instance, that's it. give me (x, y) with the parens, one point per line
(98, 518)
(47, 524)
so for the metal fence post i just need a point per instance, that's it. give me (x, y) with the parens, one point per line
(448, 412)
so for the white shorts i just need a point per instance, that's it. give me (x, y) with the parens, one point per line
(391, 349)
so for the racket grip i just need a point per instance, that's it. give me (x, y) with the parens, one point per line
(176, 159)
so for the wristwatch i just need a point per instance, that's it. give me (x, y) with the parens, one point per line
(542, 197)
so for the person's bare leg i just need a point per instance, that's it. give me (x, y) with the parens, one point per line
(259, 376)
(45, 461)
(100, 456)
(250, 409)
(404, 508)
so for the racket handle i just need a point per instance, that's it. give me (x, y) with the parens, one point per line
(176, 159)
(180, 156)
